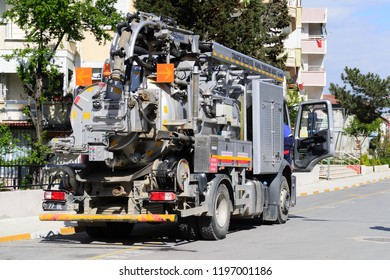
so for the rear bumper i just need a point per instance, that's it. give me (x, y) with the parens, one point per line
(141, 218)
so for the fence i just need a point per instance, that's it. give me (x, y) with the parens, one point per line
(17, 176)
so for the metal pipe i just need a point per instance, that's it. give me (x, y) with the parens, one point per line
(195, 97)
(133, 39)
(66, 169)
(119, 60)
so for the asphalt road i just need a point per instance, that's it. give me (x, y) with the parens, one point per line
(350, 224)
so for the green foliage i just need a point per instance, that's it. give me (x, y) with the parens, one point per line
(293, 99)
(7, 141)
(31, 61)
(46, 20)
(383, 151)
(367, 161)
(385, 160)
(358, 129)
(363, 95)
(251, 27)
(38, 154)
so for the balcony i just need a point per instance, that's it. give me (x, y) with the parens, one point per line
(314, 45)
(293, 6)
(11, 111)
(55, 114)
(292, 12)
(315, 77)
(293, 3)
(314, 15)
(293, 57)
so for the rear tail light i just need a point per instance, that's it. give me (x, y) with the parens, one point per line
(162, 196)
(55, 195)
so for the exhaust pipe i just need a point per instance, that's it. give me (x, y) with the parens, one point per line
(119, 191)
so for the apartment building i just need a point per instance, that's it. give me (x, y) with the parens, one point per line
(292, 44)
(12, 95)
(306, 47)
(72, 55)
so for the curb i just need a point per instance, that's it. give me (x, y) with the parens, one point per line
(353, 185)
(39, 234)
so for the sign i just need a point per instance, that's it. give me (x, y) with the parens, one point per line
(165, 73)
(83, 76)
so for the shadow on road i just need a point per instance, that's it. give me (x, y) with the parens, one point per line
(150, 235)
(380, 228)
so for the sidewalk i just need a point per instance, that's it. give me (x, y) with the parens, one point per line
(13, 229)
(339, 184)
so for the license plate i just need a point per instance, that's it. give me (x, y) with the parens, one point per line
(54, 206)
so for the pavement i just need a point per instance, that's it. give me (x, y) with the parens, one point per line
(14, 229)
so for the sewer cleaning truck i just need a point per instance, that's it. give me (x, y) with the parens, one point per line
(181, 131)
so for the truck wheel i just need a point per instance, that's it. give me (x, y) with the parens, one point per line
(217, 226)
(285, 201)
(188, 228)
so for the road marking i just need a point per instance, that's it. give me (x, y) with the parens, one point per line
(116, 252)
(16, 237)
(38, 234)
(337, 202)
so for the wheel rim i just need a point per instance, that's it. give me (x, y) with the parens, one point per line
(221, 210)
(284, 201)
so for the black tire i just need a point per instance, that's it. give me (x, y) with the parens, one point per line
(284, 201)
(217, 226)
(188, 228)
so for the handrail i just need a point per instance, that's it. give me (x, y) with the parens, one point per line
(341, 158)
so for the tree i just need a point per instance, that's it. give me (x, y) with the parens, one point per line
(293, 99)
(7, 142)
(366, 97)
(46, 24)
(358, 129)
(251, 27)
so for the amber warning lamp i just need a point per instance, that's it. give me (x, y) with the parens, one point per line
(106, 70)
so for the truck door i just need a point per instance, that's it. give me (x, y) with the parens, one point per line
(313, 134)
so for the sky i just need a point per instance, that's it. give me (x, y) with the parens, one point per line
(358, 37)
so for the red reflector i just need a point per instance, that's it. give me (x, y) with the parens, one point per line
(54, 195)
(77, 99)
(162, 196)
